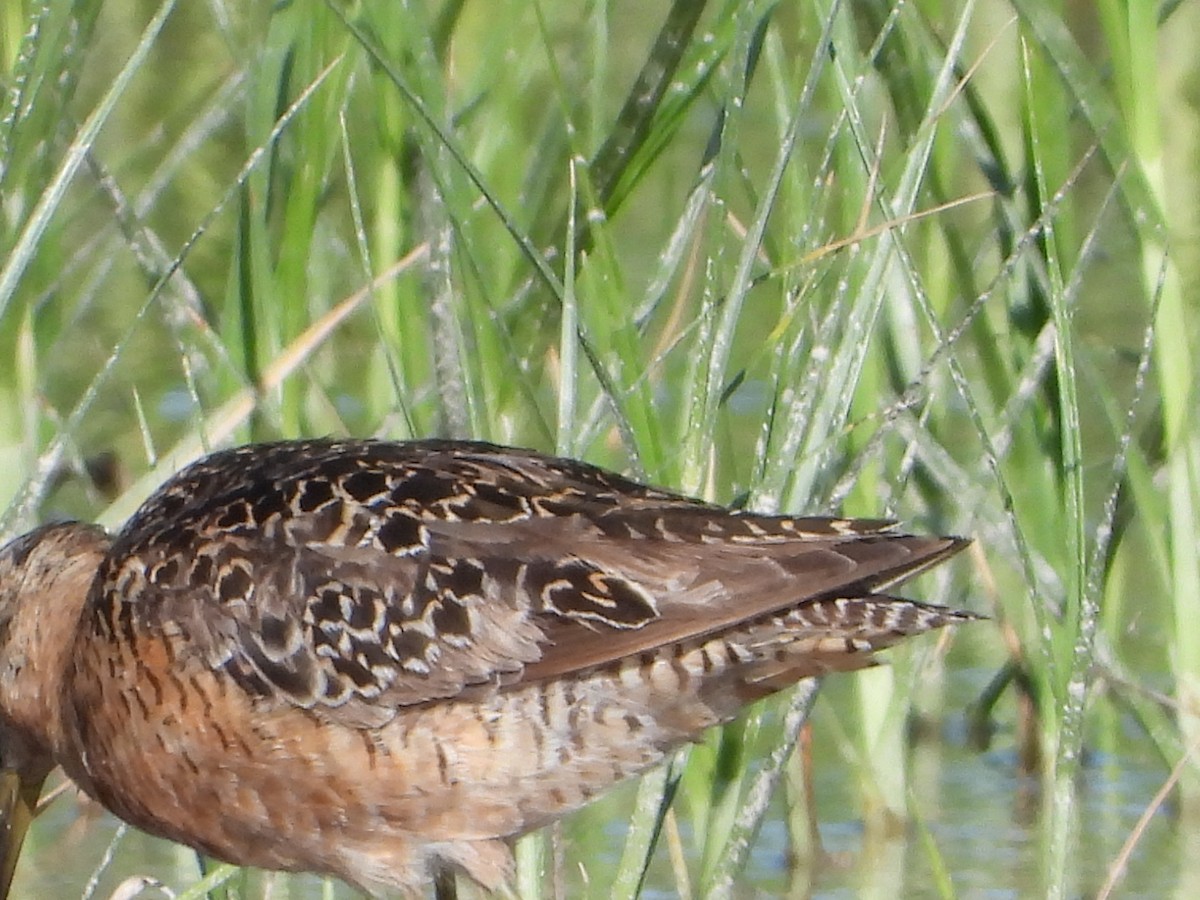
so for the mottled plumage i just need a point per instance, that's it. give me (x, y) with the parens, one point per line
(377, 660)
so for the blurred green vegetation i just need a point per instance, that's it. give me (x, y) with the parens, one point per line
(933, 261)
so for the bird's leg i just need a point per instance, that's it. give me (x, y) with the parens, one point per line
(445, 887)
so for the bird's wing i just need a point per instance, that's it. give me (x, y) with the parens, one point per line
(370, 582)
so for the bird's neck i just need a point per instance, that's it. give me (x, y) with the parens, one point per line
(38, 644)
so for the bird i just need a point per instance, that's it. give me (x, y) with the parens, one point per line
(384, 661)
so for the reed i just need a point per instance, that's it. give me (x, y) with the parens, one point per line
(928, 262)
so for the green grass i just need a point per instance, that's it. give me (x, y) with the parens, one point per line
(933, 263)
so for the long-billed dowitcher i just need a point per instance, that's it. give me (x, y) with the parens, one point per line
(382, 661)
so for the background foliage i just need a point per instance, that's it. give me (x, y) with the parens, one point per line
(935, 261)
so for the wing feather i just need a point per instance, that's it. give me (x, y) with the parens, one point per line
(357, 578)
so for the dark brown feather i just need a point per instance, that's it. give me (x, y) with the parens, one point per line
(361, 576)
